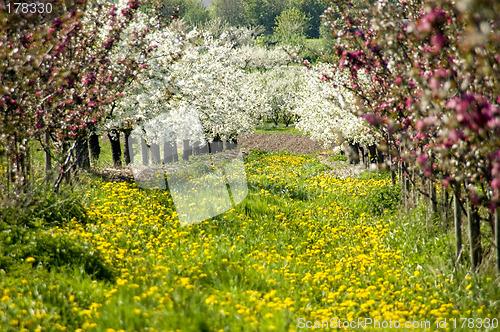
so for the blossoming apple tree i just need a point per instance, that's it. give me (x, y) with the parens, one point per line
(434, 87)
(59, 79)
(327, 110)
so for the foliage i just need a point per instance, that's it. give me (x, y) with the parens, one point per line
(258, 57)
(263, 12)
(422, 81)
(40, 205)
(313, 9)
(43, 249)
(230, 11)
(291, 26)
(195, 13)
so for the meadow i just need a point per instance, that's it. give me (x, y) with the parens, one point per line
(302, 247)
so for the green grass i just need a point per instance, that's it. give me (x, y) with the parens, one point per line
(301, 245)
(271, 128)
(105, 159)
(338, 157)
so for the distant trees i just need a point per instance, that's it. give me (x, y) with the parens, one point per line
(291, 26)
(230, 11)
(265, 13)
(313, 9)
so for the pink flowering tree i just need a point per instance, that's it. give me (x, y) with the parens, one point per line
(433, 90)
(58, 80)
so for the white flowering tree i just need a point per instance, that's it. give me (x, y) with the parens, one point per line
(327, 110)
(208, 80)
(251, 57)
(146, 97)
(278, 92)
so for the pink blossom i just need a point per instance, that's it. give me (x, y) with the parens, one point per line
(422, 159)
(433, 83)
(438, 41)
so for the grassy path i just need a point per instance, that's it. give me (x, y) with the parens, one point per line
(302, 247)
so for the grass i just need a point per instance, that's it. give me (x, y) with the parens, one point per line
(338, 157)
(301, 245)
(271, 128)
(105, 159)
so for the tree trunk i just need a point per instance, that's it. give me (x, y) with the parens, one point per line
(204, 149)
(474, 235)
(116, 150)
(457, 215)
(353, 153)
(94, 147)
(434, 209)
(216, 145)
(220, 145)
(144, 152)
(28, 160)
(196, 148)
(497, 236)
(404, 183)
(155, 153)
(82, 154)
(186, 150)
(362, 151)
(231, 144)
(128, 148)
(174, 151)
(372, 153)
(380, 157)
(445, 209)
(170, 152)
(48, 159)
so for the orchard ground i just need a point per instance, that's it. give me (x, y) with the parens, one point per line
(303, 244)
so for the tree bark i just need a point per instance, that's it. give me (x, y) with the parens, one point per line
(48, 159)
(128, 148)
(144, 152)
(94, 147)
(196, 148)
(362, 151)
(174, 151)
(220, 145)
(116, 150)
(82, 154)
(497, 236)
(353, 153)
(457, 215)
(186, 150)
(216, 145)
(380, 157)
(475, 235)
(204, 149)
(445, 209)
(432, 190)
(169, 152)
(155, 153)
